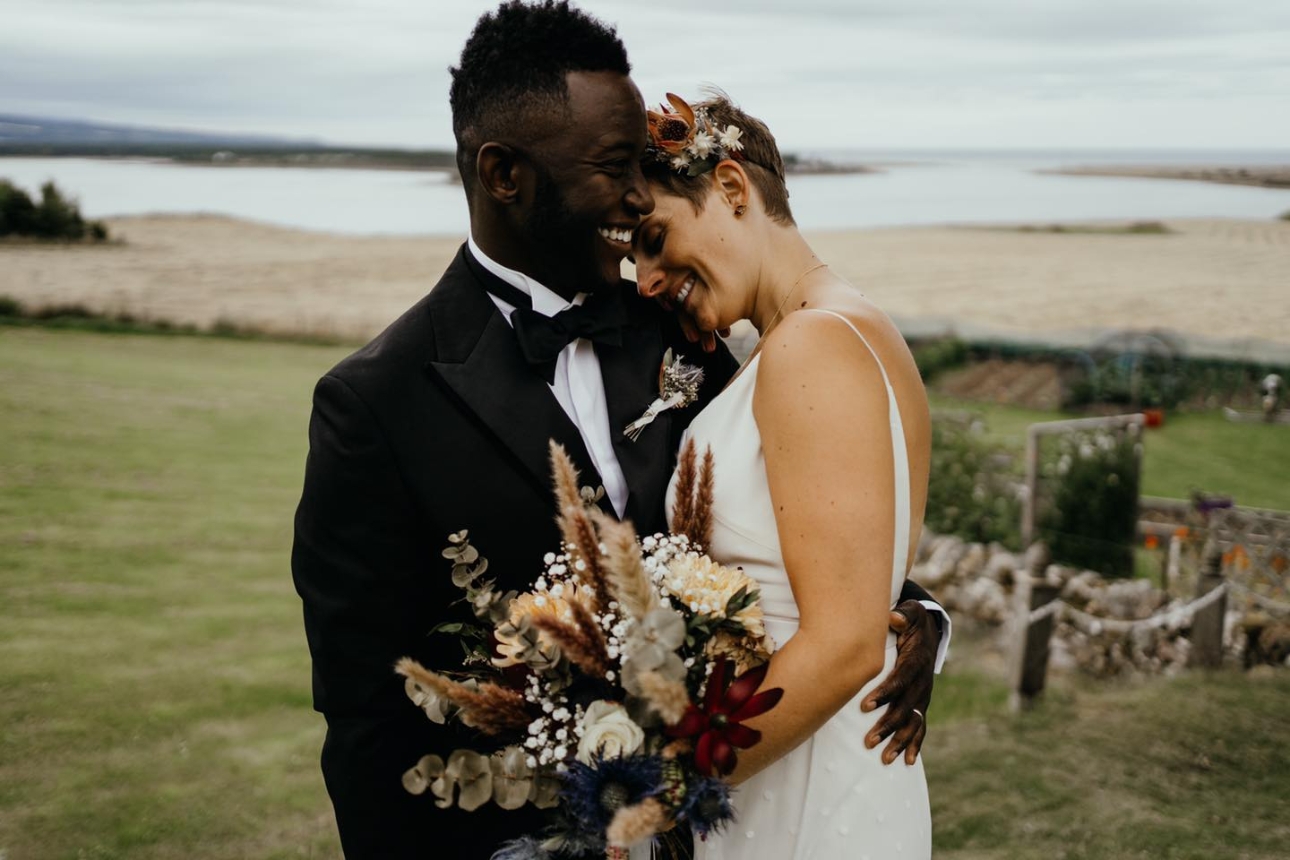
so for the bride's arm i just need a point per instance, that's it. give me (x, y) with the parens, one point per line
(821, 408)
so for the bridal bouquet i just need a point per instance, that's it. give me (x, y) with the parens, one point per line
(617, 686)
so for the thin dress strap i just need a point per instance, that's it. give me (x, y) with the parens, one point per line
(900, 555)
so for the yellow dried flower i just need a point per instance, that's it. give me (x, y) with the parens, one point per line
(530, 606)
(705, 587)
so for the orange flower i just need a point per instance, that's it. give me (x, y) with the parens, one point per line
(672, 130)
(1182, 532)
(1152, 542)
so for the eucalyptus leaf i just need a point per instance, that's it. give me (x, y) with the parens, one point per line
(448, 627)
(473, 776)
(419, 777)
(512, 778)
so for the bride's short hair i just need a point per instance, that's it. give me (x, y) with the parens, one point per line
(761, 160)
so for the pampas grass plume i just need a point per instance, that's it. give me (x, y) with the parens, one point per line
(635, 823)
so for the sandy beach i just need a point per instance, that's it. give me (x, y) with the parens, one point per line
(1215, 279)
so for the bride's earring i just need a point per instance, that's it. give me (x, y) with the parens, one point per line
(740, 210)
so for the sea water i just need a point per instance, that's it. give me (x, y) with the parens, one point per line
(911, 188)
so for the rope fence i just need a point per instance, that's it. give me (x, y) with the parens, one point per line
(1094, 625)
(1270, 604)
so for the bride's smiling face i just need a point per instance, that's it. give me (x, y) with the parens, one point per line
(704, 263)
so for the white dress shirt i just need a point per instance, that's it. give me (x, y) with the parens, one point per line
(578, 385)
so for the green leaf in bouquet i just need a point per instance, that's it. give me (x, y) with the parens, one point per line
(448, 627)
(736, 601)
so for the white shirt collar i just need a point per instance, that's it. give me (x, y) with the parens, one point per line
(545, 301)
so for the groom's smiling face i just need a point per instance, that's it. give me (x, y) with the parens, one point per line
(588, 195)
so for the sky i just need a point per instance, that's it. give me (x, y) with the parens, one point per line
(824, 74)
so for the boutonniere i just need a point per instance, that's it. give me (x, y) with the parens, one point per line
(678, 387)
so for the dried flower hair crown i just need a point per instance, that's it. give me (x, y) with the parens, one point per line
(688, 140)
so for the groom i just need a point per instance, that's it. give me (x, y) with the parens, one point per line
(442, 422)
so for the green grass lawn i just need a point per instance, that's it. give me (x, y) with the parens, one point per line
(154, 685)
(1192, 768)
(1197, 451)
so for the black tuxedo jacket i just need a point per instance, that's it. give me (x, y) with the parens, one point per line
(435, 426)
(440, 425)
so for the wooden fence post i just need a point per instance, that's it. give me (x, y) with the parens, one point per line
(1031, 660)
(1207, 622)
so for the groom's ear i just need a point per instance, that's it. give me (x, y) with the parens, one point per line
(498, 168)
(731, 183)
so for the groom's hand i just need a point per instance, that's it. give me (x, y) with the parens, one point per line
(907, 691)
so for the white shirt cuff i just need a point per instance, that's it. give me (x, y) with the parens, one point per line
(944, 649)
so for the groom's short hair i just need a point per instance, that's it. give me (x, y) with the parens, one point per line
(515, 62)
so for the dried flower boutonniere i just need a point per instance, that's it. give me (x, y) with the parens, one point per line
(678, 387)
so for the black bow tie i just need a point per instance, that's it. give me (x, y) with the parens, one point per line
(542, 338)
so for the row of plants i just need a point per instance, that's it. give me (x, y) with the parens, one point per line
(1087, 495)
(975, 487)
(82, 318)
(1158, 377)
(1088, 499)
(54, 217)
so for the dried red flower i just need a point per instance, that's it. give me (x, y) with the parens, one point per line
(672, 130)
(718, 725)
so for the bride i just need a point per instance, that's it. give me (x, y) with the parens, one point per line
(822, 446)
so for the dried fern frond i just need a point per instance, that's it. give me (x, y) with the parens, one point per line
(669, 698)
(701, 517)
(683, 504)
(628, 581)
(565, 476)
(492, 709)
(580, 640)
(581, 532)
(576, 526)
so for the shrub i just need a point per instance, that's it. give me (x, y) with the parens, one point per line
(973, 486)
(17, 212)
(1285, 216)
(55, 217)
(934, 356)
(1089, 501)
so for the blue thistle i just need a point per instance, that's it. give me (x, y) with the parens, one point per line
(593, 793)
(707, 806)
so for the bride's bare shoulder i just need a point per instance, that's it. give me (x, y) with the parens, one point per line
(818, 346)
(813, 332)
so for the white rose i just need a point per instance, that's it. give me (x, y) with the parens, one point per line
(607, 728)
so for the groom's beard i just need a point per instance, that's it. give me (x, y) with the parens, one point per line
(564, 241)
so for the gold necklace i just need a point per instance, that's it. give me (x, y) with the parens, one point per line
(771, 325)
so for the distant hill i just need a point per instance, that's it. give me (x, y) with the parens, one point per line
(18, 130)
(42, 136)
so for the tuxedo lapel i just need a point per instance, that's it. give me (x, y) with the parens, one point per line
(479, 360)
(630, 374)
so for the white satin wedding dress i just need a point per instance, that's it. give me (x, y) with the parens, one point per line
(829, 798)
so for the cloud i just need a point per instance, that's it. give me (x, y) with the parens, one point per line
(824, 72)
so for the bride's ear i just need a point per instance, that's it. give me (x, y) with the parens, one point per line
(732, 186)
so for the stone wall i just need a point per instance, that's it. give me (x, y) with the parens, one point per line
(979, 582)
